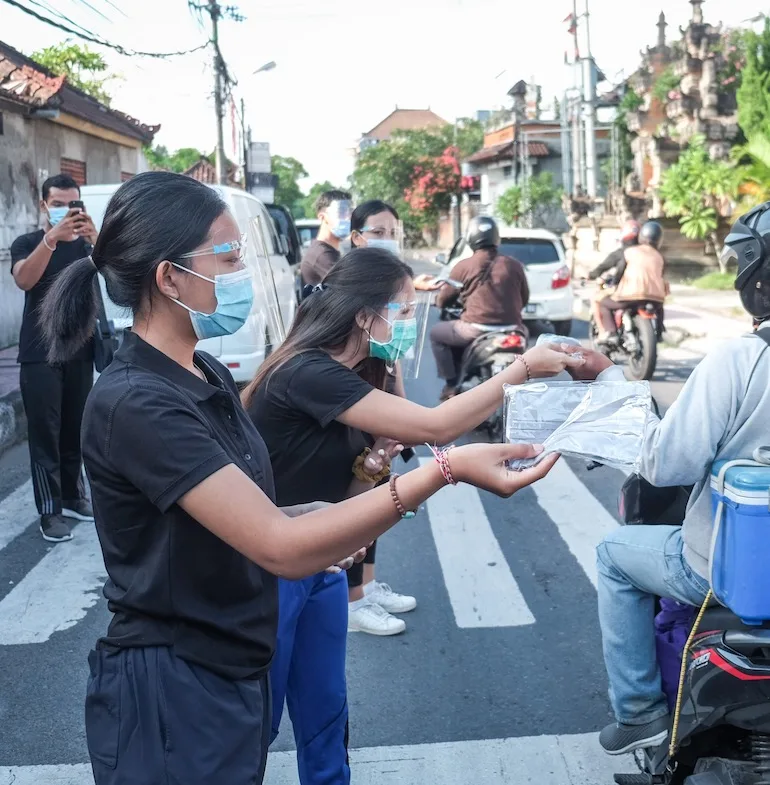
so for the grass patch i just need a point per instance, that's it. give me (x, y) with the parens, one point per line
(722, 282)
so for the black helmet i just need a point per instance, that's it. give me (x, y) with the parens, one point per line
(651, 233)
(483, 233)
(748, 246)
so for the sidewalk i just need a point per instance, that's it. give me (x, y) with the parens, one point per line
(13, 422)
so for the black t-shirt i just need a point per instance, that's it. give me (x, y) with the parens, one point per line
(317, 261)
(32, 348)
(152, 431)
(294, 410)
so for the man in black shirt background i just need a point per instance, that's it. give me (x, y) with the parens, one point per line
(333, 209)
(54, 396)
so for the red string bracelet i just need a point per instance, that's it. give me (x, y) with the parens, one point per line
(441, 455)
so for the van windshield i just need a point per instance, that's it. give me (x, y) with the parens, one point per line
(529, 251)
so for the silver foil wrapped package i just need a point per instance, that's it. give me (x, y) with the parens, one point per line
(603, 422)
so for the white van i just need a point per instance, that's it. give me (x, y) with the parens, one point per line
(244, 351)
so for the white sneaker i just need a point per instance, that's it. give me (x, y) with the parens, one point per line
(391, 601)
(373, 619)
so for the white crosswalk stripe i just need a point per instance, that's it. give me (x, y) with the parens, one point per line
(17, 511)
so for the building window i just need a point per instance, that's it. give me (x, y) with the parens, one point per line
(124, 176)
(507, 171)
(75, 169)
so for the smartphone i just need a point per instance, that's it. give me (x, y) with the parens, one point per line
(76, 204)
(407, 454)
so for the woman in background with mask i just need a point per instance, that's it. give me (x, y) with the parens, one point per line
(315, 401)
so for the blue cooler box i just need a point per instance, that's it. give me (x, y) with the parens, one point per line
(740, 570)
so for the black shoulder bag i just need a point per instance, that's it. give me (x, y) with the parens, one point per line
(644, 503)
(105, 337)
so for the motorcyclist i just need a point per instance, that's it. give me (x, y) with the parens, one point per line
(721, 414)
(494, 292)
(640, 275)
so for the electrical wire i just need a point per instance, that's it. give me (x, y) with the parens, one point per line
(55, 12)
(101, 42)
(95, 10)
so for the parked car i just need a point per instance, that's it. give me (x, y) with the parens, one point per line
(548, 275)
(287, 232)
(308, 230)
(244, 351)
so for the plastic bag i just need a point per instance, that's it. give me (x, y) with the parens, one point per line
(603, 422)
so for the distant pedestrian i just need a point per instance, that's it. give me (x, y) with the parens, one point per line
(333, 209)
(54, 395)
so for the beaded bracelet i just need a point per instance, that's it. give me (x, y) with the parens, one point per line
(526, 366)
(441, 455)
(400, 509)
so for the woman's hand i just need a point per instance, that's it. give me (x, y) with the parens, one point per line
(595, 363)
(383, 452)
(484, 465)
(550, 360)
(346, 564)
(427, 283)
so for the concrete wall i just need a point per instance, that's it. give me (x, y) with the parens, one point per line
(30, 151)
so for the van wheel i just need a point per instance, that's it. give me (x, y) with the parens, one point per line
(563, 327)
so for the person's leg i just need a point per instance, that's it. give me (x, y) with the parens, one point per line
(380, 593)
(364, 612)
(635, 564)
(151, 717)
(41, 391)
(317, 690)
(607, 307)
(77, 382)
(292, 596)
(446, 336)
(355, 575)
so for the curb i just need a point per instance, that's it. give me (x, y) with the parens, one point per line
(13, 420)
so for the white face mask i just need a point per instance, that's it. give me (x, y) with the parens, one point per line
(386, 245)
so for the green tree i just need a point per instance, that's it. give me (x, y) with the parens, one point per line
(179, 161)
(693, 188)
(754, 92)
(308, 202)
(288, 170)
(83, 68)
(754, 171)
(543, 196)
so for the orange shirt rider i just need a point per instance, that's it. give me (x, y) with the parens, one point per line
(642, 277)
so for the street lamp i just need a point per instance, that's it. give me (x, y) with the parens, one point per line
(266, 67)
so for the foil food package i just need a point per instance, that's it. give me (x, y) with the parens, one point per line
(604, 422)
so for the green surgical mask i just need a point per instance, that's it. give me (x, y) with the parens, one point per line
(403, 337)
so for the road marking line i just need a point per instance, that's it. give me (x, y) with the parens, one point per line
(481, 588)
(17, 512)
(581, 519)
(56, 593)
(544, 760)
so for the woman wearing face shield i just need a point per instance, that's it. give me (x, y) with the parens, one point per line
(184, 496)
(314, 401)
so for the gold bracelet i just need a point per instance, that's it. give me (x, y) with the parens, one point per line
(363, 476)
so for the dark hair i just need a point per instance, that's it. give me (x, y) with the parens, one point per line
(364, 279)
(63, 181)
(327, 197)
(153, 217)
(365, 211)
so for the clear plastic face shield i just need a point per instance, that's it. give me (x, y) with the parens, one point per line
(397, 333)
(381, 231)
(338, 215)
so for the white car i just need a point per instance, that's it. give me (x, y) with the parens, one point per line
(548, 274)
(244, 351)
(308, 230)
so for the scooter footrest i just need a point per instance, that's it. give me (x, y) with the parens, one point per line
(633, 779)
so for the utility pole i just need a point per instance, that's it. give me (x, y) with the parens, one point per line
(215, 12)
(589, 112)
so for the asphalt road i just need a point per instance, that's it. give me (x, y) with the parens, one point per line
(498, 677)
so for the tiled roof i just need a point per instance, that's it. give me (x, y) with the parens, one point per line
(505, 150)
(405, 120)
(205, 172)
(25, 82)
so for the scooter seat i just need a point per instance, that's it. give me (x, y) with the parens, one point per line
(721, 618)
(500, 328)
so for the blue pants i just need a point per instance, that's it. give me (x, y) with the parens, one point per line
(154, 718)
(309, 672)
(636, 564)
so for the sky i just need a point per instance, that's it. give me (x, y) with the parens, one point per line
(344, 65)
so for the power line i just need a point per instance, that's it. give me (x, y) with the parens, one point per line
(101, 42)
(95, 10)
(46, 7)
(119, 10)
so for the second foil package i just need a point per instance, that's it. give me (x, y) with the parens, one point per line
(603, 422)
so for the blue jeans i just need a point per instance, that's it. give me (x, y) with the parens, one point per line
(308, 670)
(636, 564)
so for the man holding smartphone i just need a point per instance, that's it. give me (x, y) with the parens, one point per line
(54, 396)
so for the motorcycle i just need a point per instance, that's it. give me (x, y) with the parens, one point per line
(489, 354)
(639, 330)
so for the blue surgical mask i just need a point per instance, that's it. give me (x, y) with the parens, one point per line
(403, 337)
(57, 214)
(235, 297)
(386, 245)
(341, 228)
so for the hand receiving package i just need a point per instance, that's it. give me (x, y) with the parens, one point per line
(603, 422)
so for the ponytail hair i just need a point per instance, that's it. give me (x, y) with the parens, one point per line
(153, 217)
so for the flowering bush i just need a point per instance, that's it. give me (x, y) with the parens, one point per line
(434, 181)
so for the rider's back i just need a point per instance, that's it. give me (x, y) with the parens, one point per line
(643, 278)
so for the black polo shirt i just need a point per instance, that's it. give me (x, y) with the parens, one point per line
(152, 431)
(32, 347)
